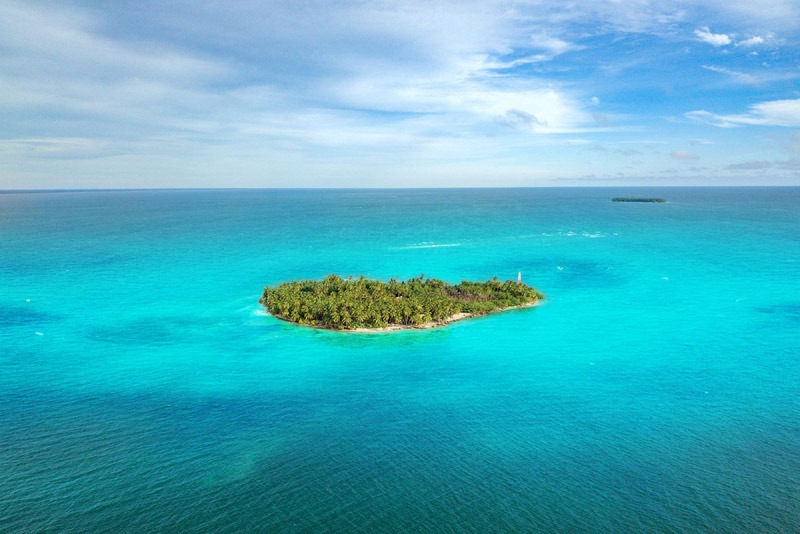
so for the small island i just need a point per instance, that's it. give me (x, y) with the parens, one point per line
(372, 305)
(637, 199)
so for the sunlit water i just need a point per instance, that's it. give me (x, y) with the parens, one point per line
(142, 388)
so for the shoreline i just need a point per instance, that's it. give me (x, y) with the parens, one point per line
(399, 327)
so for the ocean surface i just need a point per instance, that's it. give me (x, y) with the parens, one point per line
(143, 389)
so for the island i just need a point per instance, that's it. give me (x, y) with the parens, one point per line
(637, 199)
(367, 305)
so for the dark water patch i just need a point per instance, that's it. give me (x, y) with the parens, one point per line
(106, 260)
(144, 332)
(789, 312)
(12, 315)
(588, 273)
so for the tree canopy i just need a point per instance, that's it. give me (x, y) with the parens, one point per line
(347, 304)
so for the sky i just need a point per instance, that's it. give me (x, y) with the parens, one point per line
(518, 93)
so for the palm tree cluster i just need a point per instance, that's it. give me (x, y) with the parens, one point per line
(346, 304)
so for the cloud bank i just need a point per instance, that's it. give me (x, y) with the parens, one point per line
(363, 93)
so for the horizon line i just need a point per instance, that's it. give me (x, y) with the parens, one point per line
(444, 188)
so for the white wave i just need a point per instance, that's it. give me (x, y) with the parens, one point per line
(426, 244)
(570, 233)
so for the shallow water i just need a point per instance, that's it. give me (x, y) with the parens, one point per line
(142, 387)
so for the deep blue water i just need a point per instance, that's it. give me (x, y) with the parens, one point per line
(142, 388)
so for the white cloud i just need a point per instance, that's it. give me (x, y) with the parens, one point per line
(753, 41)
(371, 58)
(714, 39)
(469, 95)
(772, 113)
(553, 45)
(58, 42)
(706, 117)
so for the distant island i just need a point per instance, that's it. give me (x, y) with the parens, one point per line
(372, 305)
(637, 199)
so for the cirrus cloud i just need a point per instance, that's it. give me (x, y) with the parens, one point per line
(772, 113)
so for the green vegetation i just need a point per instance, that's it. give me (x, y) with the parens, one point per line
(637, 199)
(349, 304)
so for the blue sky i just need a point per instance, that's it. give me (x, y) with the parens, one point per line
(97, 94)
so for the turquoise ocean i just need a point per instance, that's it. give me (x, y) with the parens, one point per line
(143, 389)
